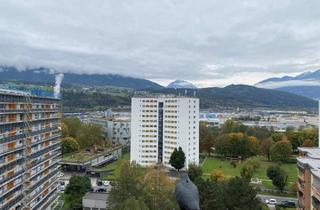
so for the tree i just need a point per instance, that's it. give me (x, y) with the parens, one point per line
(278, 137)
(253, 144)
(207, 143)
(78, 186)
(308, 143)
(64, 130)
(272, 171)
(278, 176)
(265, 147)
(210, 195)
(217, 175)
(249, 167)
(73, 125)
(90, 135)
(141, 188)
(238, 194)
(194, 172)
(177, 159)
(281, 151)
(280, 180)
(69, 144)
(132, 203)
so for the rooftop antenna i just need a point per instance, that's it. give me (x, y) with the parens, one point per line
(194, 93)
(185, 92)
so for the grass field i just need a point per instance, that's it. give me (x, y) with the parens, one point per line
(212, 163)
(115, 166)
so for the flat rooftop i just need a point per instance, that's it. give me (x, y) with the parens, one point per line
(84, 156)
(96, 196)
(311, 152)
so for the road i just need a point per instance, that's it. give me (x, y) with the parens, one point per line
(278, 198)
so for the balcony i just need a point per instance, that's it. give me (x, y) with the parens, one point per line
(316, 191)
(315, 203)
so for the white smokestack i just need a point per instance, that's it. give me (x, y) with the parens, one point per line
(59, 78)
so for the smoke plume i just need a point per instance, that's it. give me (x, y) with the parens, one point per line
(59, 78)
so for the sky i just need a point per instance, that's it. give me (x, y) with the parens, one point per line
(207, 42)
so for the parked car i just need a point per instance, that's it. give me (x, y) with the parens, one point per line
(288, 204)
(106, 183)
(99, 182)
(62, 186)
(60, 174)
(271, 201)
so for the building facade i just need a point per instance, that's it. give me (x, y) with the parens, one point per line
(116, 130)
(308, 179)
(29, 150)
(161, 124)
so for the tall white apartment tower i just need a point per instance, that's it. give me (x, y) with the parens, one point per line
(160, 124)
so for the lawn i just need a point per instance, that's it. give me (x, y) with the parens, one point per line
(115, 166)
(77, 157)
(213, 163)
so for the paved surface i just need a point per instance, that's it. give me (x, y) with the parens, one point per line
(279, 199)
(67, 177)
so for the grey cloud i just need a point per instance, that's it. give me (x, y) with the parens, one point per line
(207, 42)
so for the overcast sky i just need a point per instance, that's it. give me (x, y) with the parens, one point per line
(207, 42)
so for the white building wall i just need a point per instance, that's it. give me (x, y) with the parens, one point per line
(180, 128)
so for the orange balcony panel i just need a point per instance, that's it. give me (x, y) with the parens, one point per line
(47, 155)
(47, 135)
(10, 185)
(45, 192)
(10, 173)
(12, 117)
(12, 106)
(11, 145)
(12, 133)
(11, 157)
(46, 144)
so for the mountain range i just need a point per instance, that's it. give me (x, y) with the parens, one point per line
(306, 84)
(76, 95)
(43, 75)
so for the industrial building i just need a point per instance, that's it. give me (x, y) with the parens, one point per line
(29, 150)
(161, 124)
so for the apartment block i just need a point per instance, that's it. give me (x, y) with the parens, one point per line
(161, 124)
(29, 150)
(115, 129)
(308, 179)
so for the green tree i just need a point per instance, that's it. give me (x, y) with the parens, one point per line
(73, 124)
(89, 135)
(276, 136)
(194, 172)
(78, 186)
(280, 180)
(177, 159)
(132, 203)
(281, 151)
(265, 147)
(272, 171)
(142, 189)
(69, 144)
(238, 194)
(64, 130)
(253, 146)
(210, 195)
(249, 167)
(278, 176)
